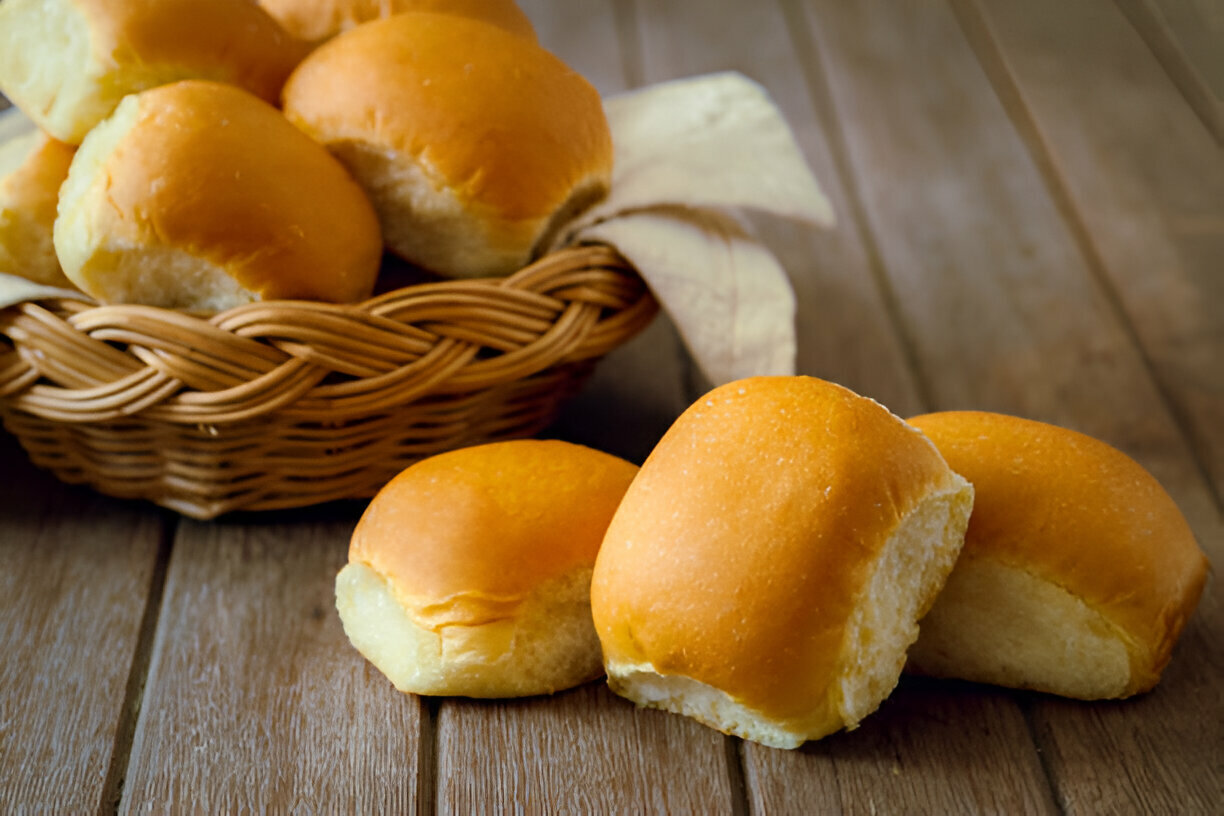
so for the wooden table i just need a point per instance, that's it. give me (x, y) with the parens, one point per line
(1031, 205)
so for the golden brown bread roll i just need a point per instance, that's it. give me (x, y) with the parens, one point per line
(32, 168)
(67, 63)
(469, 573)
(765, 571)
(471, 141)
(1078, 571)
(318, 20)
(197, 195)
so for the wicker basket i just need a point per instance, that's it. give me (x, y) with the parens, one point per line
(288, 403)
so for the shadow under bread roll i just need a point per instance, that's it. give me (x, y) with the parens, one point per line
(198, 195)
(316, 21)
(32, 168)
(767, 568)
(472, 142)
(469, 574)
(1078, 573)
(67, 63)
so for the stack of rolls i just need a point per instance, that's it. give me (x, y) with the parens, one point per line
(781, 556)
(199, 156)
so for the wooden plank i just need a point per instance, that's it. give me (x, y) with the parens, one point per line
(1009, 316)
(582, 751)
(1187, 37)
(255, 701)
(80, 570)
(917, 748)
(1142, 183)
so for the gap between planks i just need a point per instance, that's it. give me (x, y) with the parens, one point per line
(1163, 42)
(1042, 746)
(427, 757)
(138, 674)
(734, 747)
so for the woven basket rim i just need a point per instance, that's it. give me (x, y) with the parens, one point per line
(283, 404)
(72, 361)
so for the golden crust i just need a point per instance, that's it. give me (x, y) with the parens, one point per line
(28, 197)
(209, 170)
(740, 552)
(464, 536)
(127, 46)
(229, 40)
(1080, 514)
(443, 114)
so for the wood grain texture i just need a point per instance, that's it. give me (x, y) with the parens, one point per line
(78, 570)
(1187, 37)
(1009, 316)
(255, 700)
(959, 748)
(1030, 222)
(1143, 182)
(581, 751)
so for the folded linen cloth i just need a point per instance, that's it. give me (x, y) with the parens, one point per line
(688, 153)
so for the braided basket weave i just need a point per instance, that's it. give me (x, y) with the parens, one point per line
(288, 403)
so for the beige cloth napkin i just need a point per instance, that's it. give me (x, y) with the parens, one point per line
(687, 154)
(15, 289)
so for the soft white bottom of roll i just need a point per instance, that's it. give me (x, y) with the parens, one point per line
(544, 643)
(998, 624)
(910, 571)
(421, 220)
(704, 703)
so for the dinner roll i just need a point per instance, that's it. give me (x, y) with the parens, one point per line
(197, 195)
(318, 20)
(32, 168)
(766, 570)
(67, 63)
(472, 142)
(469, 573)
(1078, 571)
